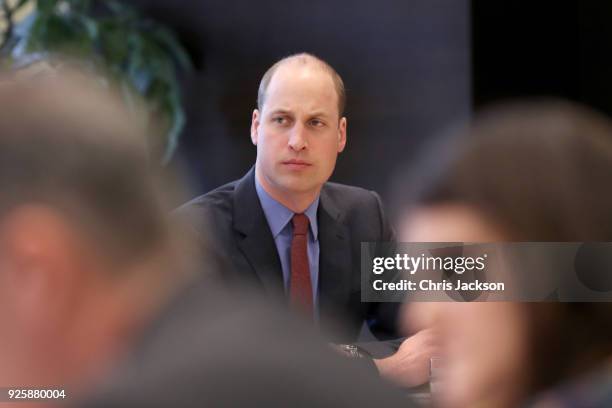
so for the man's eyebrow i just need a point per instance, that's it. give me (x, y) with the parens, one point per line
(319, 114)
(281, 111)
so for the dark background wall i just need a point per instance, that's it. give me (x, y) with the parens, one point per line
(536, 48)
(406, 66)
(412, 67)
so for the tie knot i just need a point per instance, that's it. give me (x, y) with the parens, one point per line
(300, 224)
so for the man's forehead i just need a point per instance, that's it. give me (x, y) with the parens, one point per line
(306, 84)
(302, 71)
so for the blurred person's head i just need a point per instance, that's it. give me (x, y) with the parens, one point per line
(83, 237)
(298, 128)
(530, 172)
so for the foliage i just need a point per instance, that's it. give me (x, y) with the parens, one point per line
(141, 55)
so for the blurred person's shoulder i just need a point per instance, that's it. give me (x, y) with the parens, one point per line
(251, 354)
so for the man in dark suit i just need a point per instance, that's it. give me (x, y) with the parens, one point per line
(285, 229)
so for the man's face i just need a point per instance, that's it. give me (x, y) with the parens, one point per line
(298, 132)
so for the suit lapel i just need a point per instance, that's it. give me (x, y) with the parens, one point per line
(335, 257)
(254, 236)
(255, 241)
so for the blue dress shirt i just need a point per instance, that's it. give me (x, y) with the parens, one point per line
(279, 220)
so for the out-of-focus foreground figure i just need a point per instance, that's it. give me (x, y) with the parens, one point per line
(533, 172)
(83, 238)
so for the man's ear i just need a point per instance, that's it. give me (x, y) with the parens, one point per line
(342, 134)
(255, 126)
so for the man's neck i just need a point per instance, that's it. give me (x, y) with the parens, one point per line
(297, 202)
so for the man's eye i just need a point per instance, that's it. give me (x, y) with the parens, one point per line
(279, 120)
(316, 123)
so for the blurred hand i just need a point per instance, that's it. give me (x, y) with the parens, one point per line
(417, 316)
(409, 366)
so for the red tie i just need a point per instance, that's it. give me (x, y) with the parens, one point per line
(300, 288)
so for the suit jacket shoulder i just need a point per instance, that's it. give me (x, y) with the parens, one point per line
(210, 216)
(216, 202)
(358, 206)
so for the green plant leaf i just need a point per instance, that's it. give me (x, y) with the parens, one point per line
(177, 124)
(168, 41)
(141, 56)
(46, 6)
(112, 43)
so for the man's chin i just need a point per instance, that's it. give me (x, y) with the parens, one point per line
(299, 185)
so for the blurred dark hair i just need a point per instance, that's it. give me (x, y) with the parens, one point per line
(67, 141)
(538, 171)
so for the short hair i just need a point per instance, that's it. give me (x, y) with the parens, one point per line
(68, 142)
(303, 59)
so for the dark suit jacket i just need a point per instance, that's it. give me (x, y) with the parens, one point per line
(231, 224)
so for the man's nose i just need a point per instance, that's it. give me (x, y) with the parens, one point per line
(297, 137)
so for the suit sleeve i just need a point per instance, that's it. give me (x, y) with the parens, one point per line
(383, 317)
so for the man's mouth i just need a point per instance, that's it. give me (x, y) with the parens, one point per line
(297, 163)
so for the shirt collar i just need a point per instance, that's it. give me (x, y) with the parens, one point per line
(278, 216)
